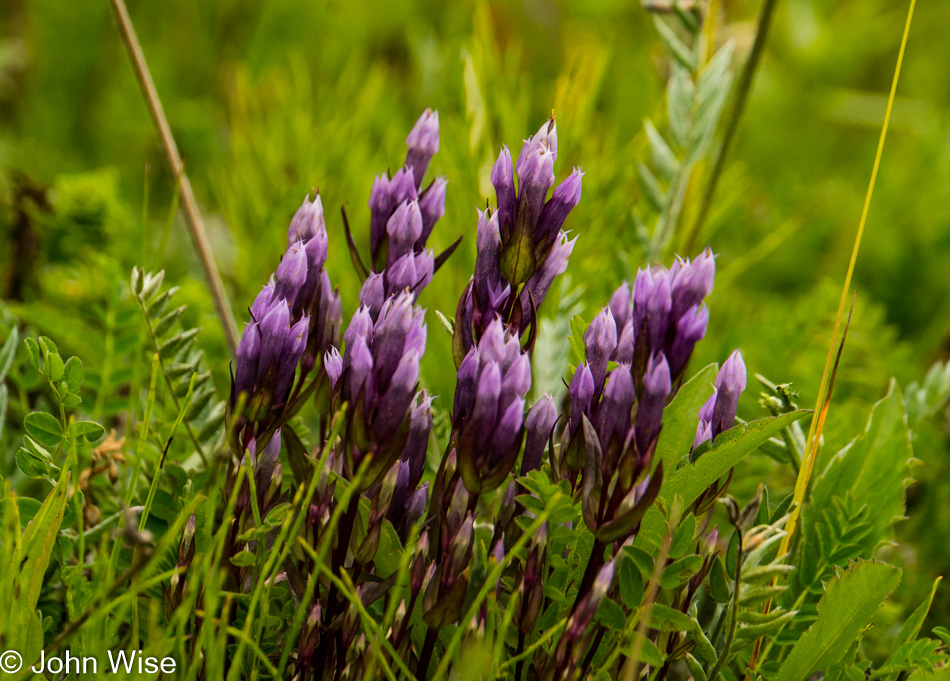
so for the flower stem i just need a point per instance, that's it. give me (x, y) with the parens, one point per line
(192, 216)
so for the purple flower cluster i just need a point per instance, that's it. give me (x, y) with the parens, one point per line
(489, 408)
(378, 375)
(521, 247)
(617, 414)
(402, 218)
(294, 319)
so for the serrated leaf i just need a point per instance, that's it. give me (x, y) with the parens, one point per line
(44, 428)
(845, 609)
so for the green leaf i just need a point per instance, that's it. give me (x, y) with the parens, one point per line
(663, 157)
(54, 367)
(611, 615)
(36, 548)
(517, 261)
(665, 618)
(631, 583)
(650, 654)
(7, 352)
(691, 480)
(31, 465)
(718, 587)
(679, 572)
(651, 187)
(930, 675)
(72, 374)
(911, 627)
(34, 351)
(683, 537)
(677, 48)
(90, 430)
(681, 416)
(679, 102)
(845, 609)
(44, 428)
(244, 559)
(873, 466)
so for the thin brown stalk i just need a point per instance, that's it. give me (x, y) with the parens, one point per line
(193, 218)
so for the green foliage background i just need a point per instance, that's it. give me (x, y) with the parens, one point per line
(269, 99)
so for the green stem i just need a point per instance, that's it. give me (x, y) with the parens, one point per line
(731, 634)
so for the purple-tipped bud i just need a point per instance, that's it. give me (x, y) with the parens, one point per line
(538, 426)
(600, 341)
(487, 396)
(730, 382)
(506, 432)
(274, 328)
(656, 388)
(361, 325)
(373, 293)
(432, 207)
(401, 275)
(565, 198)
(333, 362)
(704, 427)
(487, 245)
(620, 305)
(263, 303)
(291, 273)
(690, 329)
(465, 385)
(358, 363)
(619, 396)
(394, 404)
(402, 187)
(422, 143)
(502, 179)
(294, 346)
(582, 392)
(540, 282)
(308, 223)
(625, 344)
(546, 139)
(517, 380)
(693, 282)
(248, 355)
(535, 178)
(403, 228)
(420, 425)
(389, 341)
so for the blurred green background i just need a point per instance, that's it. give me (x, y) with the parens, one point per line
(269, 99)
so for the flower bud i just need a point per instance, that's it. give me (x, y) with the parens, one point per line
(432, 208)
(373, 294)
(656, 388)
(600, 341)
(403, 228)
(248, 355)
(502, 179)
(535, 178)
(693, 282)
(291, 273)
(423, 144)
(582, 392)
(690, 329)
(620, 304)
(565, 198)
(263, 303)
(308, 223)
(730, 382)
(538, 426)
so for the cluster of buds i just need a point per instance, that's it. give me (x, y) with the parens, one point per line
(488, 411)
(402, 216)
(521, 247)
(377, 375)
(294, 319)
